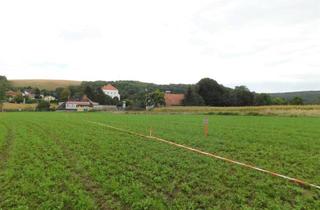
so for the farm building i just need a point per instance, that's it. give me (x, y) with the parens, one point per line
(28, 94)
(173, 99)
(85, 104)
(11, 95)
(111, 91)
(49, 98)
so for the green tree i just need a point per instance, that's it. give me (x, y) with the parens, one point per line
(116, 101)
(65, 94)
(37, 93)
(19, 99)
(138, 101)
(43, 106)
(296, 101)
(57, 93)
(211, 92)
(263, 99)
(155, 98)
(53, 93)
(192, 98)
(4, 86)
(279, 101)
(88, 91)
(243, 96)
(76, 91)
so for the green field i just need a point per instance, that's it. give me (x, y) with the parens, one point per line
(63, 161)
(273, 110)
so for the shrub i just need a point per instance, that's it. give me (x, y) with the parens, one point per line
(43, 106)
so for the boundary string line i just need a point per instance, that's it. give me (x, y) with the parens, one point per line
(294, 180)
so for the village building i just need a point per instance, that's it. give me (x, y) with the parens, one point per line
(11, 95)
(173, 99)
(85, 104)
(49, 98)
(111, 91)
(28, 94)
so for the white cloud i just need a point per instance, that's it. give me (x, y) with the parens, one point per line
(263, 44)
(76, 34)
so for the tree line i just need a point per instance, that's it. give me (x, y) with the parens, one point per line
(208, 92)
(4, 87)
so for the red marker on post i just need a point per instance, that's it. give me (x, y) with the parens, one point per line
(206, 126)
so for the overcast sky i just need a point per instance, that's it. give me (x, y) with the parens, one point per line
(268, 45)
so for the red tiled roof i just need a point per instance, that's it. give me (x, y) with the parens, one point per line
(109, 87)
(173, 99)
(85, 101)
(11, 93)
(81, 103)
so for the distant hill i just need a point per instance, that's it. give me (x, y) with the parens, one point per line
(134, 86)
(44, 84)
(309, 97)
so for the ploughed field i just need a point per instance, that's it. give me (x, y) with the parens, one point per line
(67, 161)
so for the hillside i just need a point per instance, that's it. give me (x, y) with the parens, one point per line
(44, 84)
(135, 89)
(309, 97)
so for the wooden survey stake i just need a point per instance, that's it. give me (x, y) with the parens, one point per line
(150, 131)
(206, 127)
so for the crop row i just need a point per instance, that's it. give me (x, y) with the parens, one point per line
(59, 160)
(285, 145)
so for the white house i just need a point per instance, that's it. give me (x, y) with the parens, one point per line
(111, 91)
(28, 94)
(85, 104)
(49, 98)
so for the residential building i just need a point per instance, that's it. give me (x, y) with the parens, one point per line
(85, 104)
(49, 98)
(111, 91)
(28, 94)
(11, 95)
(173, 99)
